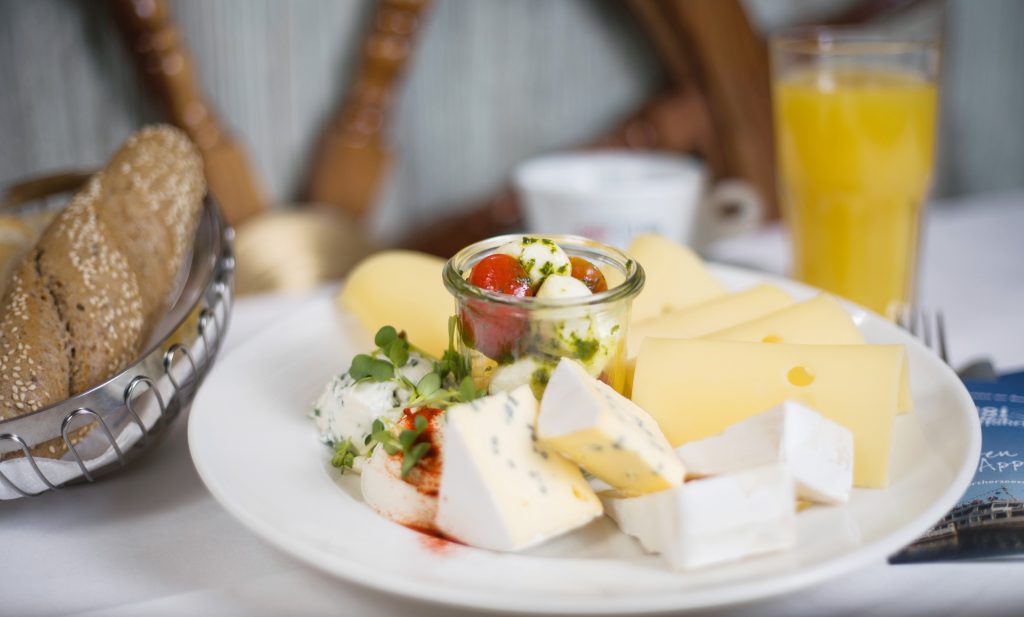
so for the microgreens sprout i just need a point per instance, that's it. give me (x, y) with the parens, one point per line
(344, 456)
(404, 443)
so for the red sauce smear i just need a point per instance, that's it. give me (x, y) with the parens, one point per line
(425, 477)
(435, 542)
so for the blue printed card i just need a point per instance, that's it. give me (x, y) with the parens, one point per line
(989, 519)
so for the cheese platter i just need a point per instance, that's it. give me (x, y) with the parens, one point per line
(546, 461)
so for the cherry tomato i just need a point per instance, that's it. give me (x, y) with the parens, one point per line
(588, 273)
(503, 274)
(492, 329)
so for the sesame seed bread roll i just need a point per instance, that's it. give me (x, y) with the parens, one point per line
(152, 192)
(34, 369)
(82, 304)
(95, 291)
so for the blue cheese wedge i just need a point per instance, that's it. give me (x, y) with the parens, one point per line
(500, 488)
(346, 409)
(605, 433)
(540, 257)
(714, 520)
(817, 451)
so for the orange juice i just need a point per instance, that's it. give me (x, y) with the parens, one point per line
(855, 154)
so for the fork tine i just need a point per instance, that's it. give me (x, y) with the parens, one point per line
(903, 317)
(926, 328)
(913, 325)
(940, 330)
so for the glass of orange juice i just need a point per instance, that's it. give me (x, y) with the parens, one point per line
(855, 134)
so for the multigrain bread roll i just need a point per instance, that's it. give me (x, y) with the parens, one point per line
(16, 237)
(81, 305)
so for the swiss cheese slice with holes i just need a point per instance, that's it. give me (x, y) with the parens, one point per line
(698, 388)
(818, 321)
(675, 277)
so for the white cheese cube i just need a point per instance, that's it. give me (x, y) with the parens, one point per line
(540, 257)
(817, 451)
(714, 520)
(605, 433)
(563, 286)
(532, 371)
(500, 488)
(590, 339)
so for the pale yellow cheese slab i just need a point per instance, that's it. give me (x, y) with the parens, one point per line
(818, 321)
(710, 316)
(401, 289)
(697, 388)
(700, 319)
(676, 277)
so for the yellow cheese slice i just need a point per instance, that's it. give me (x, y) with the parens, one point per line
(700, 319)
(709, 316)
(401, 289)
(697, 388)
(676, 277)
(818, 321)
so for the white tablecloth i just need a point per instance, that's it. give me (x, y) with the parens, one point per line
(152, 541)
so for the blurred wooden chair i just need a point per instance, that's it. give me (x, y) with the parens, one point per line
(293, 248)
(715, 105)
(167, 67)
(353, 155)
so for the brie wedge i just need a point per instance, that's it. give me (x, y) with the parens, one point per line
(714, 520)
(817, 451)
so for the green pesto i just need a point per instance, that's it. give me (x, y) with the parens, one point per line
(539, 380)
(583, 349)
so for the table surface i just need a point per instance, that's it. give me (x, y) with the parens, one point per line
(152, 541)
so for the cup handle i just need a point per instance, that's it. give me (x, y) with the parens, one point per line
(732, 207)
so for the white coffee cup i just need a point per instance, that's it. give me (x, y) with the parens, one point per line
(612, 196)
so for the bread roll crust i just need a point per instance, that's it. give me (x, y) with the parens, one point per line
(95, 292)
(34, 371)
(150, 198)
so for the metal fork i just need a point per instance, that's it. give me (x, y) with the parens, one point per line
(929, 326)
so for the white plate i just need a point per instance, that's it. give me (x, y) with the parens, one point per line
(258, 453)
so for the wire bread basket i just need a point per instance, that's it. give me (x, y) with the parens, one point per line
(130, 412)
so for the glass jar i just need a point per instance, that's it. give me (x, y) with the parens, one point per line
(509, 341)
